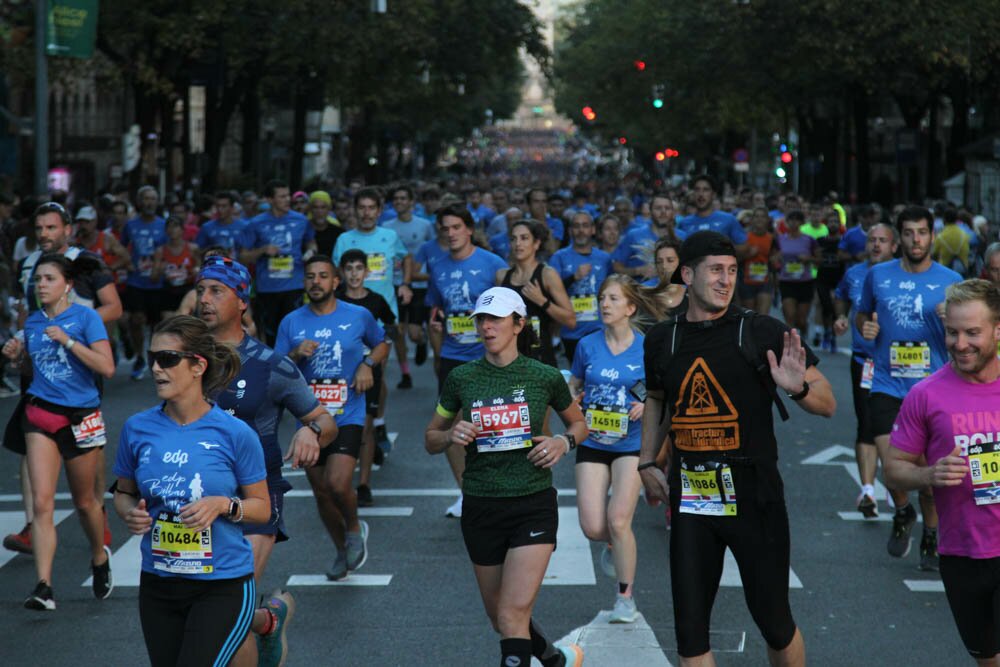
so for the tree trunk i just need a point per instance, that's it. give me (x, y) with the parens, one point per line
(298, 138)
(960, 103)
(250, 155)
(859, 106)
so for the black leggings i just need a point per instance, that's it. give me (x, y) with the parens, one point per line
(759, 539)
(191, 622)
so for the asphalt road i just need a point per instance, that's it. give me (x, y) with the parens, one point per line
(415, 601)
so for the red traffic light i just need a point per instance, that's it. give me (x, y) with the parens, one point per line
(670, 152)
(588, 113)
(622, 140)
(786, 157)
(660, 156)
(640, 65)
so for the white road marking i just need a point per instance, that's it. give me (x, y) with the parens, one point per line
(925, 585)
(572, 564)
(13, 522)
(607, 644)
(349, 580)
(830, 456)
(385, 511)
(126, 564)
(731, 574)
(883, 517)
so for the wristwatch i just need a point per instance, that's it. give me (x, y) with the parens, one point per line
(234, 507)
(571, 439)
(315, 428)
(369, 362)
(802, 394)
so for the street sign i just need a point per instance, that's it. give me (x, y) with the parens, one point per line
(71, 27)
(741, 155)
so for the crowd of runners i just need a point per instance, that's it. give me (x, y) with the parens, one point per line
(624, 311)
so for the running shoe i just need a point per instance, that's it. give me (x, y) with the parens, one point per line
(364, 496)
(624, 611)
(339, 569)
(607, 562)
(19, 542)
(572, 654)
(455, 510)
(273, 649)
(406, 382)
(382, 439)
(102, 581)
(902, 525)
(929, 552)
(421, 355)
(41, 598)
(867, 506)
(139, 368)
(107, 528)
(357, 547)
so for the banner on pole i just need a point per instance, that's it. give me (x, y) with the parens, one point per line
(71, 28)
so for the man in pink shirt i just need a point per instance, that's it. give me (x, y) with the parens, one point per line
(947, 435)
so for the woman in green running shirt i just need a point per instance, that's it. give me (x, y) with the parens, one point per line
(495, 408)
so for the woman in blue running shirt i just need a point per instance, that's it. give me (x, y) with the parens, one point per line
(188, 475)
(608, 370)
(68, 347)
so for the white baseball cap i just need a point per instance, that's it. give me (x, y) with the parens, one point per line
(500, 302)
(86, 213)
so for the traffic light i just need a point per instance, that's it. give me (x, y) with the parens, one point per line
(640, 65)
(660, 156)
(670, 152)
(622, 140)
(658, 90)
(786, 157)
(588, 113)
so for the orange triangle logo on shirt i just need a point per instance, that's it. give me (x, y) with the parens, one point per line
(704, 418)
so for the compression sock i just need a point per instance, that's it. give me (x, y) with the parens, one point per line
(515, 652)
(405, 367)
(541, 647)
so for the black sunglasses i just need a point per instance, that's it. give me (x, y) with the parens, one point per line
(169, 358)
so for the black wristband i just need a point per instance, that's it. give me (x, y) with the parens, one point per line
(647, 464)
(802, 394)
(548, 302)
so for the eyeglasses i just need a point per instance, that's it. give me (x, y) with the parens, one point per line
(169, 358)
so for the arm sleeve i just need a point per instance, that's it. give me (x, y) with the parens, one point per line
(909, 433)
(867, 302)
(560, 398)
(124, 466)
(373, 334)
(289, 389)
(95, 329)
(248, 455)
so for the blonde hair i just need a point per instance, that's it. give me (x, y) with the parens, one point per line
(648, 309)
(975, 289)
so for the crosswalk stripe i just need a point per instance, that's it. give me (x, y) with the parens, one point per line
(731, 574)
(349, 580)
(13, 522)
(607, 644)
(924, 585)
(572, 564)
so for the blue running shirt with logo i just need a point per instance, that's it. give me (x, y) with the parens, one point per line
(344, 337)
(285, 271)
(60, 377)
(607, 379)
(142, 239)
(910, 344)
(454, 287)
(176, 465)
(582, 293)
(383, 248)
(849, 289)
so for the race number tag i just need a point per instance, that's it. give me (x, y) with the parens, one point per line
(175, 275)
(146, 266)
(90, 432)
(606, 424)
(536, 325)
(179, 549)
(909, 359)
(280, 267)
(503, 426)
(794, 270)
(462, 329)
(984, 464)
(376, 266)
(707, 489)
(867, 374)
(757, 272)
(331, 394)
(585, 307)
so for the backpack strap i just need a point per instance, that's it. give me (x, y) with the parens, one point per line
(748, 347)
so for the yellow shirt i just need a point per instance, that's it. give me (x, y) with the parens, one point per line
(950, 244)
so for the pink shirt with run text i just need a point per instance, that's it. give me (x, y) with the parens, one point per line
(938, 413)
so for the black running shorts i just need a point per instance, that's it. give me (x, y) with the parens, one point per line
(585, 454)
(491, 526)
(348, 442)
(862, 404)
(973, 589)
(883, 410)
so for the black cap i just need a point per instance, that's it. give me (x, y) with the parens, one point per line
(702, 244)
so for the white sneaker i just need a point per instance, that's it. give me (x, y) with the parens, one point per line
(455, 511)
(607, 562)
(624, 611)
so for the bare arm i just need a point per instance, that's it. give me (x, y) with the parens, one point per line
(110, 309)
(655, 429)
(904, 472)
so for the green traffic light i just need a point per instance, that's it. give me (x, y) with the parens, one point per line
(658, 104)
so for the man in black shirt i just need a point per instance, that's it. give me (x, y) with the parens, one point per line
(710, 392)
(327, 227)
